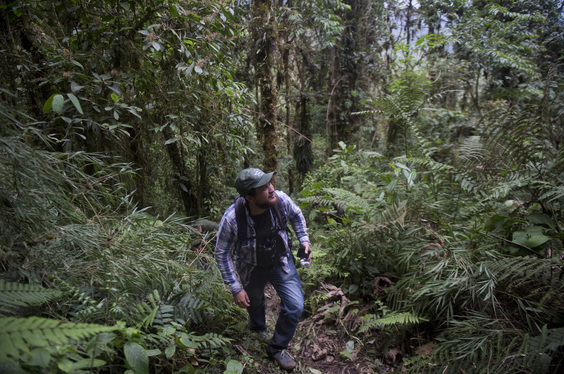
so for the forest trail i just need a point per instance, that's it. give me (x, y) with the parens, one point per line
(321, 344)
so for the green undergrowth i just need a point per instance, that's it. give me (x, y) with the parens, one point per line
(451, 272)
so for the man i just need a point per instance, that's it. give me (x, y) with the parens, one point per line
(262, 255)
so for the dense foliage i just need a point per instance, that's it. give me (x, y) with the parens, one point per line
(426, 141)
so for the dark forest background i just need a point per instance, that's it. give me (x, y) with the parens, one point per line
(423, 141)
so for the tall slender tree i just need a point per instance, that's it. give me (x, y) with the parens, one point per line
(264, 35)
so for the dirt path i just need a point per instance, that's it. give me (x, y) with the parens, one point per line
(319, 345)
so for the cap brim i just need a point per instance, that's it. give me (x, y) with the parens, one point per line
(265, 179)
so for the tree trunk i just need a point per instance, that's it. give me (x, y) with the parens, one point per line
(289, 127)
(334, 93)
(181, 177)
(303, 155)
(347, 67)
(264, 34)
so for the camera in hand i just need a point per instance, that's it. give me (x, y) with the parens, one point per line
(304, 261)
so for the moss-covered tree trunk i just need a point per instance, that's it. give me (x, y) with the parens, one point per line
(348, 76)
(334, 97)
(303, 155)
(264, 35)
(181, 176)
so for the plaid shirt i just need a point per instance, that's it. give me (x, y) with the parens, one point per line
(228, 246)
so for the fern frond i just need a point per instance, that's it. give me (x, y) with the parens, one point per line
(211, 340)
(337, 198)
(149, 309)
(16, 295)
(472, 147)
(554, 193)
(317, 201)
(485, 349)
(21, 335)
(345, 199)
(188, 307)
(87, 306)
(559, 161)
(177, 309)
(426, 163)
(397, 318)
(513, 271)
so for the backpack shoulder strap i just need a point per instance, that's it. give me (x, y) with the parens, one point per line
(281, 215)
(283, 219)
(241, 217)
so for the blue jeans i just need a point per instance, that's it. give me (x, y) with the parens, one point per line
(289, 288)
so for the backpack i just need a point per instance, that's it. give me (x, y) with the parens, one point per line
(241, 217)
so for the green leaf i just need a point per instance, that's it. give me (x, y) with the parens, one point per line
(186, 342)
(64, 364)
(58, 102)
(536, 240)
(136, 357)
(153, 352)
(540, 219)
(75, 87)
(347, 354)
(39, 357)
(233, 367)
(75, 102)
(87, 363)
(115, 97)
(520, 237)
(170, 351)
(48, 104)
(77, 64)
(98, 342)
(11, 367)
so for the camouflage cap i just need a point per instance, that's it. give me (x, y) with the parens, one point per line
(251, 178)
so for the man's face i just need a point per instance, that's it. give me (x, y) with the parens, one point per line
(264, 196)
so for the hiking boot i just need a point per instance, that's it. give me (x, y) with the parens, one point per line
(261, 336)
(284, 359)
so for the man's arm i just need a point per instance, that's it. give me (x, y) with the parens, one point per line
(226, 239)
(297, 220)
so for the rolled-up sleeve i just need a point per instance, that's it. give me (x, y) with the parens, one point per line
(224, 249)
(296, 218)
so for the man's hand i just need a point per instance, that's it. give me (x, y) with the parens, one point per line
(241, 299)
(307, 250)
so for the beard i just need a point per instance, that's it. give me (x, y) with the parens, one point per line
(268, 203)
(263, 206)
